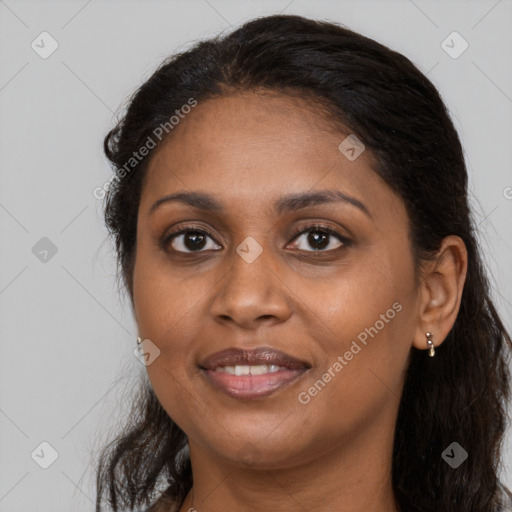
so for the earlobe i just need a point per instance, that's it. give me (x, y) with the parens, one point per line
(441, 293)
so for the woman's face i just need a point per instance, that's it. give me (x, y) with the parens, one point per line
(343, 305)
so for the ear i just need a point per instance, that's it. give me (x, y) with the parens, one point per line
(441, 291)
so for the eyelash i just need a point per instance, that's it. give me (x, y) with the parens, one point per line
(166, 240)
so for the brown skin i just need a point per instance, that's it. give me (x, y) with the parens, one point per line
(333, 453)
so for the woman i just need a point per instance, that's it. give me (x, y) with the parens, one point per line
(291, 220)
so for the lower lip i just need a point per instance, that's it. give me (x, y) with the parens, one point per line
(252, 386)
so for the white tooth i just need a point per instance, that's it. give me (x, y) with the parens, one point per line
(242, 370)
(259, 369)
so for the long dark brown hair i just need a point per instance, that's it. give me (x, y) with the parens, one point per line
(382, 98)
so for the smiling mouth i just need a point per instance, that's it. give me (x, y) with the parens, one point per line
(250, 382)
(252, 373)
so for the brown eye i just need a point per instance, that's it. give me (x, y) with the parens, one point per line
(189, 240)
(320, 238)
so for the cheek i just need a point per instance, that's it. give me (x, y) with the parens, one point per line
(368, 316)
(165, 298)
(363, 303)
(168, 311)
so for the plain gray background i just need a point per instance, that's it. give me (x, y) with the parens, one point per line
(67, 366)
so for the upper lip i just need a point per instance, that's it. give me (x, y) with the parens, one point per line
(261, 355)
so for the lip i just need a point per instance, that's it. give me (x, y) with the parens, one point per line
(260, 355)
(252, 386)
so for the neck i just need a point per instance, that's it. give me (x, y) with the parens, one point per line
(352, 477)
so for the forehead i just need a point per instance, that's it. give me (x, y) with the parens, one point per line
(238, 125)
(254, 146)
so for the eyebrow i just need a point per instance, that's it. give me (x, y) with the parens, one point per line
(288, 203)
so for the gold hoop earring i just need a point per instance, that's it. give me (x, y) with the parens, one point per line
(430, 343)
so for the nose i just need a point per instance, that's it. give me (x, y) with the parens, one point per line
(252, 293)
